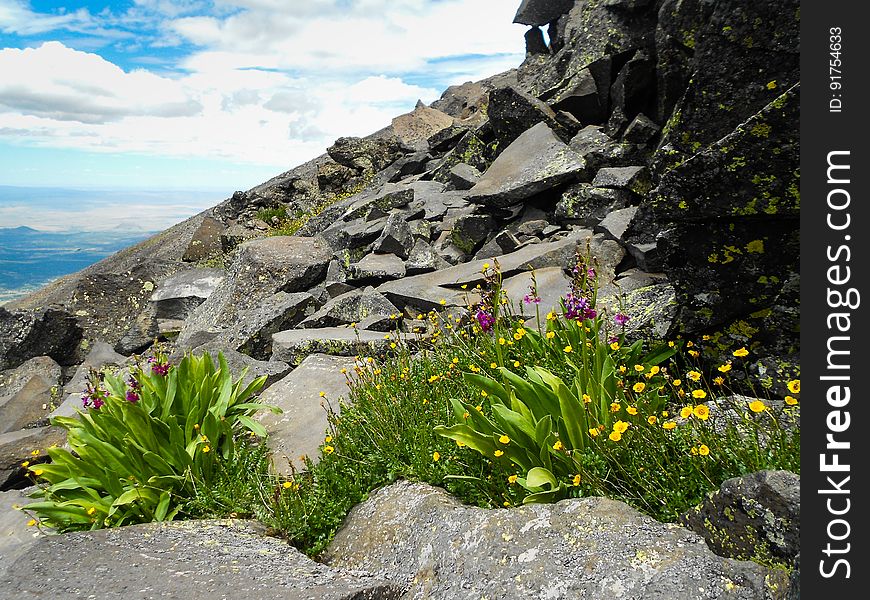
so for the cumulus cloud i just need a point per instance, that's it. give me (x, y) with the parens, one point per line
(269, 82)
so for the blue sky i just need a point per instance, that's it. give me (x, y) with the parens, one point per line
(222, 94)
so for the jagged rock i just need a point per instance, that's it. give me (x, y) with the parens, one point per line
(607, 255)
(631, 92)
(635, 178)
(292, 346)
(426, 291)
(252, 332)
(351, 307)
(645, 254)
(300, 429)
(206, 241)
(28, 334)
(578, 548)
(728, 221)
(600, 150)
(512, 111)
(587, 205)
(140, 333)
(615, 224)
(366, 155)
(744, 56)
(420, 125)
(17, 446)
(396, 237)
(541, 12)
(446, 250)
(533, 228)
(751, 517)
(335, 272)
(652, 309)
(589, 97)
(16, 538)
(261, 268)
(375, 268)
(406, 166)
(472, 149)
(636, 278)
(446, 138)
(506, 242)
(353, 235)
(469, 231)
(27, 391)
(463, 176)
(535, 43)
(590, 35)
(176, 296)
(182, 559)
(332, 213)
(536, 161)
(333, 177)
(641, 131)
(235, 235)
(422, 259)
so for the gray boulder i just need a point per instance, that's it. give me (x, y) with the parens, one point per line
(615, 224)
(300, 429)
(352, 307)
(632, 178)
(582, 548)
(396, 237)
(541, 12)
(463, 176)
(376, 268)
(18, 446)
(536, 161)
(756, 516)
(587, 205)
(205, 244)
(600, 150)
(365, 154)
(422, 259)
(176, 296)
(261, 268)
(294, 345)
(26, 392)
(198, 560)
(28, 334)
(469, 231)
(16, 537)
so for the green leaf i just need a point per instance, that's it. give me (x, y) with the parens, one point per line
(539, 476)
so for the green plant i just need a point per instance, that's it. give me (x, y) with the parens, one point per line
(143, 446)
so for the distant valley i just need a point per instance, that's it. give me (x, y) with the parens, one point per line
(31, 258)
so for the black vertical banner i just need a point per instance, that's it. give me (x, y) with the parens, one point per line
(835, 261)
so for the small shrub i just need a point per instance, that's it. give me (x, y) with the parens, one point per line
(143, 446)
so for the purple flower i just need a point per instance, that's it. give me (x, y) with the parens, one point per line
(160, 368)
(621, 319)
(578, 307)
(485, 320)
(134, 383)
(132, 397)
(590, 273)
(98, 402)
(531, 299)
(613, 340)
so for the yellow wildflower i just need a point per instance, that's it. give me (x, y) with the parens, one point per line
(568, 349)
(757, 406)
(512, 479)
(669, 425)
(631, 410)
(620, 426)
(558, 445)
(586, 399)
(328, 449)
(719, 380)
(693, 375)
(615, 436)
(436, 456)
(614, 407)
(205, 449)
(551, 335)
(498, 453)
(741, 352)
(593, 431)
(639, 387)
(576, 480)
(699, 394)
(791, 400)
(702, 412)
(725, 368)
(794, 386)
(652, 419)
(504, 439)
(677, 382)
(694, 353)
(686, 412)
(614, 345)
(639, 368)
(703, 450)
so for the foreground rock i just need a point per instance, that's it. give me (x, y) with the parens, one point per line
(293, 345)
(755, 516)
(25, 335)
(582, 548)
(26, 393)
(181, 559)
(16, 537)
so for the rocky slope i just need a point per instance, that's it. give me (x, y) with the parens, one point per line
(663, 134)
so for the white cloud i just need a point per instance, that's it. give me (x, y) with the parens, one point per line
(273, 82)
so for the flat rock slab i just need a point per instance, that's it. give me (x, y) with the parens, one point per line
(293, 345)
(16, 447)
(26, 392)
(581, 548)
(536, 161)
(426, 291)
(211, 560)
(179, 294)
(16, 538)
(301, 428)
